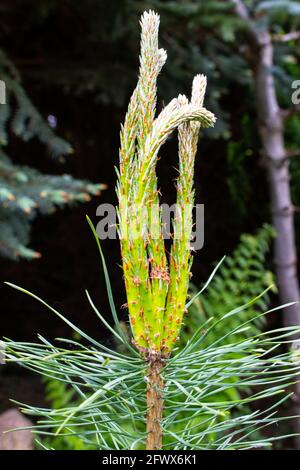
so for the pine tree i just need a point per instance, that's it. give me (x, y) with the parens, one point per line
(153, 395)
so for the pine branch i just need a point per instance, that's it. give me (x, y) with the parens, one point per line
(291, 36)
(287, 113)
(24, 193)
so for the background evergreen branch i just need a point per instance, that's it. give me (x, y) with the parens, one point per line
(24, 191)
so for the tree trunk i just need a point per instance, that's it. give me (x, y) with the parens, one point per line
(154, 404)
(271, 129)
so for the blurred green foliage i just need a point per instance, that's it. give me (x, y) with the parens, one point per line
(25, 191)
(242, 276)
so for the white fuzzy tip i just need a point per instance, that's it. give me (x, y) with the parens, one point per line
(182, 100)
(162, 57)
(149, 20)
(198, 89)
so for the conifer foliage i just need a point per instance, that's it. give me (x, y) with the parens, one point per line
(24, 191)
